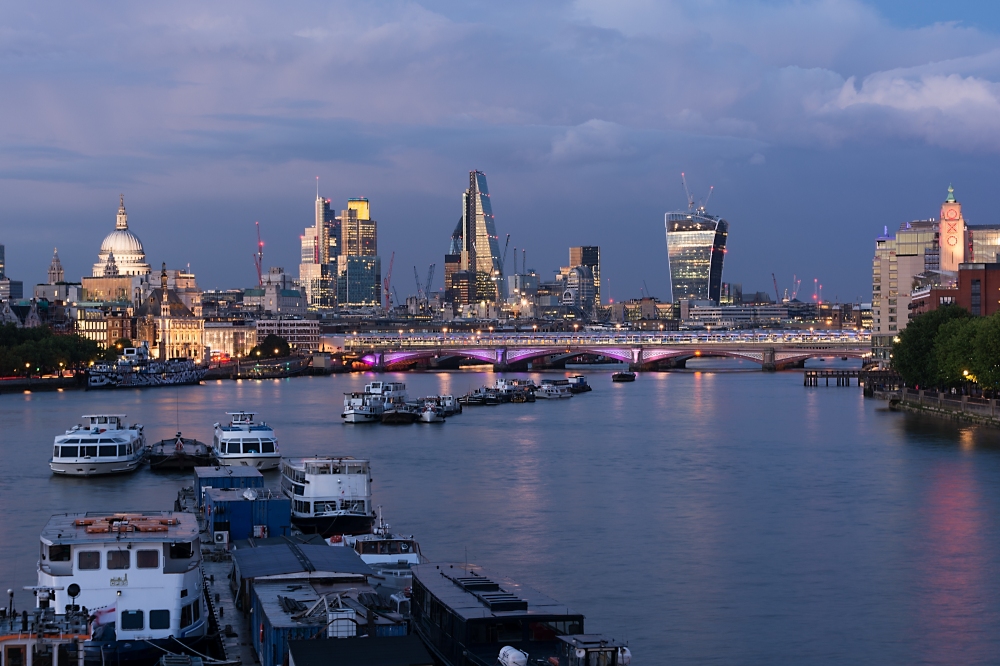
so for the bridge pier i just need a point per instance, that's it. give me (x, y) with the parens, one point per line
(767, 361)
(501, 364)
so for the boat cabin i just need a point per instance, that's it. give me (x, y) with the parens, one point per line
(329, 494)
(467, 614)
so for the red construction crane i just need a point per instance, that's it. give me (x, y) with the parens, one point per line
(387, 282)
(777, 296)
(258, 258)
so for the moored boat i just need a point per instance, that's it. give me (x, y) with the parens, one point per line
(400, 415)
(245, 443)
(329, 495)
(360, 407)
(431, 413)
(390, 555)
(138, 573)
(554, 389)
(578, 384)
(179, 452)
(623, 376)
(104, 446)
(136, 369)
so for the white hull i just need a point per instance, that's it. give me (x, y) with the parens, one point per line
(261, 462)
(352, 416)
(91, 468)
(431, 417)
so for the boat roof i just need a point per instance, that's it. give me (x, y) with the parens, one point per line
(226, 470)
(107, 416)
(146, 527)
(301, 462)
(473, 592)
(295, 558)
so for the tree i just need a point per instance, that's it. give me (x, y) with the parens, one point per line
(954, 348)
(39, 350)
(986, 356)
(272, 346)
(913, 355)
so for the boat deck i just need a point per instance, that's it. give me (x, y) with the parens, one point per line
(234, 627)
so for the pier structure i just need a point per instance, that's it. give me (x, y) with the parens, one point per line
(772, 350)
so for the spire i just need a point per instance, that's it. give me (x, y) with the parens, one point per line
(111, 267)
(951, 194)
(122, 222)
(163, 280)
(56, 274)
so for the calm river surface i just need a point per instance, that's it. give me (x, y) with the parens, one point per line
(727, 517)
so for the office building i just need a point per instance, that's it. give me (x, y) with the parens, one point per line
(696, 249)
(278, 294)
(578, 291)
(589, 256)
(301, 334)
(979, 288)
(320, 245)
(899, 260)
(983, 243)
(229, 338)
(359, 281)
(476, 240)
(452, 264)
(359, 233)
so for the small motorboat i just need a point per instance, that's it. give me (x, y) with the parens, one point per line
(431, 413)
(623, 376)
(578, 384)
(179, 453)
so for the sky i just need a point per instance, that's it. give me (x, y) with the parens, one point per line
(817, 122)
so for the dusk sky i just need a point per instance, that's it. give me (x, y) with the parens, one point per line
(818, 123)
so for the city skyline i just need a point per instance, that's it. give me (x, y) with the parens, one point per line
(809, 140)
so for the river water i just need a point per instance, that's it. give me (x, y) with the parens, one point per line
(703, 516)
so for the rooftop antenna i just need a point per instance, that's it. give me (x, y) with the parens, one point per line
(258, 258)
(687, 192)
(317, 187)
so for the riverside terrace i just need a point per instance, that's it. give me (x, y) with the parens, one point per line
(773, 350)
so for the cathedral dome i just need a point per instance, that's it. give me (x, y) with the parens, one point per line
(122, 242)
(123, 249)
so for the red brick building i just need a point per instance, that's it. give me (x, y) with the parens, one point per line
(931, 298)
(979, 288)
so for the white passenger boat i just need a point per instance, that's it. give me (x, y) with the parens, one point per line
(103, 446)
(430, 412)
(369, 405)
(329, 495)
(553, 390)
(139, 574)
(246, 443)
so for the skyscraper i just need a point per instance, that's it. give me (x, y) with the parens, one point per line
(320, 244)
(480, 250)
(359, 268)
(590, 256)
(358, 231)
(696, 248)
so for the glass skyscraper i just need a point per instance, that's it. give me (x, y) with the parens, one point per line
(480, 250)
(696, 248)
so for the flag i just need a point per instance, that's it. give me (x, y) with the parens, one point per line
(105, 615)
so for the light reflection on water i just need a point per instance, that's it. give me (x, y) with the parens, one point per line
(702, 515)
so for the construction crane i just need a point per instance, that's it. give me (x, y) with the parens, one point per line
(430, 280)
(796, 282)
(503, 262)
(420, 291)
(388, 281)
(710, 190)
(777, 296)
(258, 258)
(687, 192)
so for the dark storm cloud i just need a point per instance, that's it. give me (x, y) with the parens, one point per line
(582, 113)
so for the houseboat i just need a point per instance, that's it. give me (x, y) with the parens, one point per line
(105, 445)
(139, 574)
(245, 443)
(469, 616)
(390, 555)
(329, 495)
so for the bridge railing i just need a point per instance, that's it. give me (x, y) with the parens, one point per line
(699, 338)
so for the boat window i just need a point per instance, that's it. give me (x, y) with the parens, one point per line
(326, 507)
(405, 547)
(232, 447)
(267, 446)
(251, 446)
(55, 451)
(548, 630)
(88, 441)
(122, 450)
(147, 559)
(89, 559)
(132, 620)
(70, 451)
(88, 451)
(181, 551)
(118, 559)
(301, 507)
(72, 441)
(187, 616)
(108, 451)
(159, 619)
(59, 553)
(369, 548)
(357, 506)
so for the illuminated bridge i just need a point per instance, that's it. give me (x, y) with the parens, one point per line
(773, 350)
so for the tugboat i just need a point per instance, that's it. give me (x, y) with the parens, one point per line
(135, 369)
(329, 495)
(245, 443)
(578, 384)
(104, 446)
(623, 376)
(179, 453)
(138, 573)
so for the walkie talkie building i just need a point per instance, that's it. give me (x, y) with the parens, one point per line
(696, 248)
